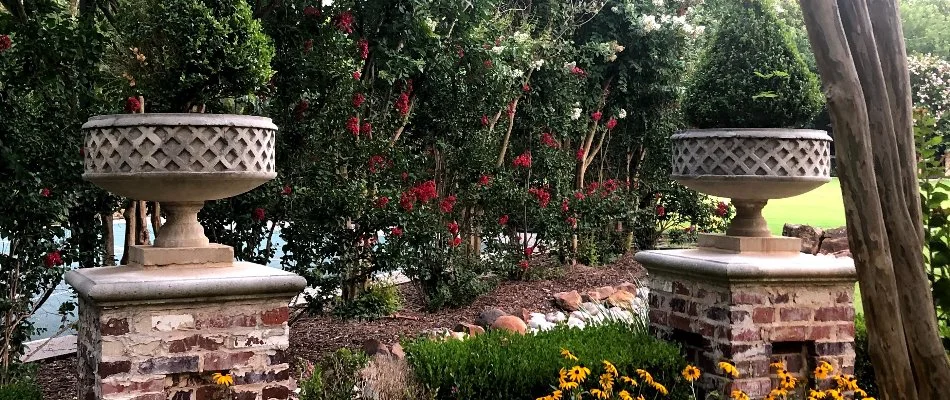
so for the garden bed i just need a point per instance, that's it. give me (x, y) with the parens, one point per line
(313, 338)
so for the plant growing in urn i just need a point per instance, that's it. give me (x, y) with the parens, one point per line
(180, 55)
(749, 93)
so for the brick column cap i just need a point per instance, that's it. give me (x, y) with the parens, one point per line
(728, 267)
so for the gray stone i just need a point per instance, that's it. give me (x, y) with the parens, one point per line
(810, 236)
(488, 316)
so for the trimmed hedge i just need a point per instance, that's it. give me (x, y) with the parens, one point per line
(498, 365)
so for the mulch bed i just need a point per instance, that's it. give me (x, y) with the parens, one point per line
(312, 338)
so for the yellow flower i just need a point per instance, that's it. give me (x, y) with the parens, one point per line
(860, 392)
(645, 376)
(690, 373)
(846, 382)
(823, 370)
(660, 388)
(729, 369)
(607, 381)
(568, 385)
(778, 392)
(556, 395)
(816, 394)
(834, 394)
(223, 380)
(562, 375)
(788, 381)
(625, 395)
(544, 398)
(567, 355)
(778, 365)
(640, 397)
(628, 380)
(610, 368)
(599, 394)
(739, 395)
(578, 373)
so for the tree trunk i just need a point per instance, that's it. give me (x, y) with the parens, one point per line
(108, 238)
(130, 230)
(141, 220)
(873, 142)
(156, 216)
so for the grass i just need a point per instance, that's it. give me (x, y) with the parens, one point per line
(821, 207)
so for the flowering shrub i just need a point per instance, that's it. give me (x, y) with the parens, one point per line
(930, 79)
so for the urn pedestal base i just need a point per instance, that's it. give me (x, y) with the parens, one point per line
(753, 309)
(156, 333)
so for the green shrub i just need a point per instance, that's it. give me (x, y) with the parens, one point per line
(863, 369)
(381, 299)
(184, 53)
(498, 365)
(336, 378)
(752, 75)
(21, 390)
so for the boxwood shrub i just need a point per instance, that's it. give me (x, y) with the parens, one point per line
(498, 365)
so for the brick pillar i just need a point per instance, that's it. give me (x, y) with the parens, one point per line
(753, 310)
(150, 333)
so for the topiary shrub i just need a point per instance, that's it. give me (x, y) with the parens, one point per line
(498, 365)
(752, 75)
(182, 54)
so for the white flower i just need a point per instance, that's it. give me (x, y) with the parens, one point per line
(616, 47)
(658, 3)
(569, 66)
(622, 114)
(612, 58)
(498, 49)
(615, 10)
(779, 9)
(521, 37)
(698, 30)
(576, 113)
(431, 24)
(517, 73)
(681, 20)
(666, 18)
(649, 23)
(537, 64)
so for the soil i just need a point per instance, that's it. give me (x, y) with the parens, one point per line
(313, 337)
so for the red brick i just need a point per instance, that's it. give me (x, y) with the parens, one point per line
(107, 369)
(210, 392)
(795, 314)
(678, 306)
(192, 342)
(227, 321)
(679, 322)
(839, 313)
(275, 392)
(169, 365)
(763, 315)
(745, 335)
(755, 388)
(833, 348)
(659, 317)
(779, 298)
(245, 396)
(845, 296)
(737, 316)
(821, 332)
(706, 329)
(150, 396)
(747, 298)
(693, 309)
(223, 361)
(115, 327)
(277, 316)
(846, 331)
(154, 385)
(788, 334)
(681, 289)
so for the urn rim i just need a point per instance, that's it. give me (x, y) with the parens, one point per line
(178, 119)
(753, 133)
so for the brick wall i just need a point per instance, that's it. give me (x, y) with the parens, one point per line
(754, 324)
(169, 351)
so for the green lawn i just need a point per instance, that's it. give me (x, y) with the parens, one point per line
(821, 207)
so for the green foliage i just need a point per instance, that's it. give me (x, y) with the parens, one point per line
(21, 390)
(335, 378)
(926, 25)
(498, 365)
(752, 75)
(380, 300)
(863, 368)
(185, 53)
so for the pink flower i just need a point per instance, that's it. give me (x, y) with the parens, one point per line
(311, 11)
(484, 120)
(357, 75)
(524, 160)
(402, 104)
(363, 47)
(287, 190)
(526, 88)
(484, 180)
(405, 176)
(660, 211)
(453, 227)
(358, 99)
(488, 64)
(596, 116)
(722, 209)
(447, 204)
(382, 202)
(528, 251)
(503, 220)
(579, 195)
(577, 71)
(366, 128)
(565, 206)
(548, 140)
(455, 242)
(542, 194)
(572, 222)
(53, 259)
(344, 22)
(45, 192)
(133, 105)
(524, 264)
(308, 46)
(407, 200)
(5, 43)
(580, 154)
(592, 187)
(612, 123)
(426, 191)
(375, 162)
(396, 231)
(611, 185)
(258, 214)
(353, 126)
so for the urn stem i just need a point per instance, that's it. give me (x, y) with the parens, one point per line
(181, 228)
(749, 220)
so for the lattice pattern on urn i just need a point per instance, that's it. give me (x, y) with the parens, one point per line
(137, 149)
(746, 156)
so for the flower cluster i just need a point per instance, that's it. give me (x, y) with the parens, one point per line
(542, 194)
(5, 43)
(610, 384)
(523, 161)
(344, 22)
(548, 140)
(53, 259)
(423, 193)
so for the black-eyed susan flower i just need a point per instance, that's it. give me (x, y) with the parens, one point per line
(640, 397)
(578, 374)
(610, 368)
(628, 380)
(787, 381)
(860, 393)
(222, 379)
(729, 369)
(548, 397)
(738, 395)
(568, 355)
(624, 395)
(599, 394)
(823, 370)
(568, 385)
(643, 374)
(607, 381)
(691, 373)
(846, 382)
(778, 365)
(556, 395)
(815, 394)
(660, 388)
(833, 394)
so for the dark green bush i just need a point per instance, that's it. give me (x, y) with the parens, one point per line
(752, 75)
(863, 369)
(502, 366)
(380, 300)
(21, 390)
(335, 378)
(184, 53)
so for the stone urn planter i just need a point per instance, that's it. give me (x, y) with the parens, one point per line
(180, 160)
(751, 166)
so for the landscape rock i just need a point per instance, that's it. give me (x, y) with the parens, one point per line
(556, 317)
(539, 323)
(598, 295)
(590, 308)
(436, 333)
(510, 323)
(578, 323)
(459, 335)
(840, 232)
(834, 245)
(622, 299)
(398, 352)
(568, 301)
(470, 329)
(810, 236)
(373, 347)
(627, 286)
(843, 253)
(487, 317)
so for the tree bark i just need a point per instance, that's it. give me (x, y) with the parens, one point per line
(141, 216)
(130, 229)
(108, 239)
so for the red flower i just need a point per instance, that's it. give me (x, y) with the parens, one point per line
(363, 47)
(572, 222)
(358, 99)
(611, 185)
(402, 104)
(579, 195)
(423, 192)
(548, 140)
(565, 206)
(484, 180)
(133, 105)
(344, 22)
(528, 251)
(5, 43)
(353, 126)
(526, 88)
(455, 242)
(542, 194)
(366, 129)
(484, 120)
(524, 160)
(287, 190)
(308, 46)
(447, 204)
(311, 11)
(375, 162)
(580, 154)
(722, 209)
(407, 200)
(511, 109)
(660, 211)
(596, 116)
(503, 220)
(592, 187)
(612, 123)
(405, 176)
(453, 227)
(577, 71)
(488, 64)
(53, 259)
(382, 202)
(45, 192)
(357, 75)
(258, 214)
(396, 231)
(524, 264)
